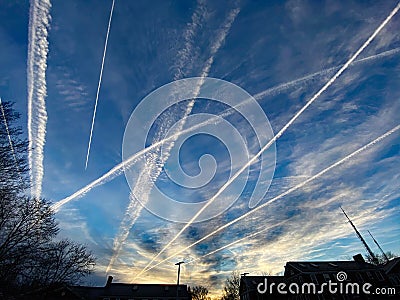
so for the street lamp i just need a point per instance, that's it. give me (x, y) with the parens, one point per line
(179, 272)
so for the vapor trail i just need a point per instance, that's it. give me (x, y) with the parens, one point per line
(300, 185)
(8, 135)
(154, 168)
(284, 86)
(39, 23)
(237, 241)
(99, 84)
(151, 169)
(279, 134)
(118, 169)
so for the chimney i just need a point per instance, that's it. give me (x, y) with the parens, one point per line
(109, 281)
(358, 258)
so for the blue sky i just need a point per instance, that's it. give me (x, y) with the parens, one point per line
(281, 53)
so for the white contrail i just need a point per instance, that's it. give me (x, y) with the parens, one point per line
(279, 134)
(118, 169)
(300, 185)
(8, 135)
(284, 86)
(99, 84)
(236, 241)
(185, 55)
(39, 22)
(154, 168)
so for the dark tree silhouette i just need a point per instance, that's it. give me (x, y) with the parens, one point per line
(30, 254)
(380, 257)
(13, 153)
(231, 288)
(61, 262)
(27, 226)
(199, 293)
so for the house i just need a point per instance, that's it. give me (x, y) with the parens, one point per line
(111, 291)
(324, 280)
(51, 292)
(124, 291)
(392, 271)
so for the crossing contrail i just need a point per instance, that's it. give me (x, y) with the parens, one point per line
(99, 84)
(236, 241)
(279, 134)
(8, 135)
(39, 23)
(143, 185)
(134, 208)
(118, 169)
(300, 185)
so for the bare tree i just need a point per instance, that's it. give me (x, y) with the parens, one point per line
(231, 288)
(26, 227)
(199, 293)
(30, 255)
(61, 262)
(13, 152)
(381, 259)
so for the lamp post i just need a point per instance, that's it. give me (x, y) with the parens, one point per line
(179, 272)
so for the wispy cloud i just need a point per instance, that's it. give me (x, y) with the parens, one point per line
(348, 157)
(279, 134)
(326, 72)
(71, 221)
(184, 58)
(153, 166)
(71, 89)
(39, 23)
(118, 169)
(99, 83)
(237, 241)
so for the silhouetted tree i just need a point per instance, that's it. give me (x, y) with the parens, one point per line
(27, 227)
(199, 293)
(30, 255)
(61, 262)
(13, 157)
(231, 288)
(380, 257)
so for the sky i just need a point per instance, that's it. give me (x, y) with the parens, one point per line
(226, 135)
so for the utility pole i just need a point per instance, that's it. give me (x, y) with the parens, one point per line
(179, 272)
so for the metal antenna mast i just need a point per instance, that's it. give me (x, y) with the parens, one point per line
(374, 259)
(383, 253)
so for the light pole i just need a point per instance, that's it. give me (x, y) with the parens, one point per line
(179, 272)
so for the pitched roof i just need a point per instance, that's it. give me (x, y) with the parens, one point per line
(54, 291)
(134, 290)
(330, 266)
(391, 264)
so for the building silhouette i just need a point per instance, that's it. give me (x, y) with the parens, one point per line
(111, 291)
(392, 270)
(311, 280)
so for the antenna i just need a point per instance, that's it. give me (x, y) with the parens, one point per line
(374, 259)
(383, 253)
